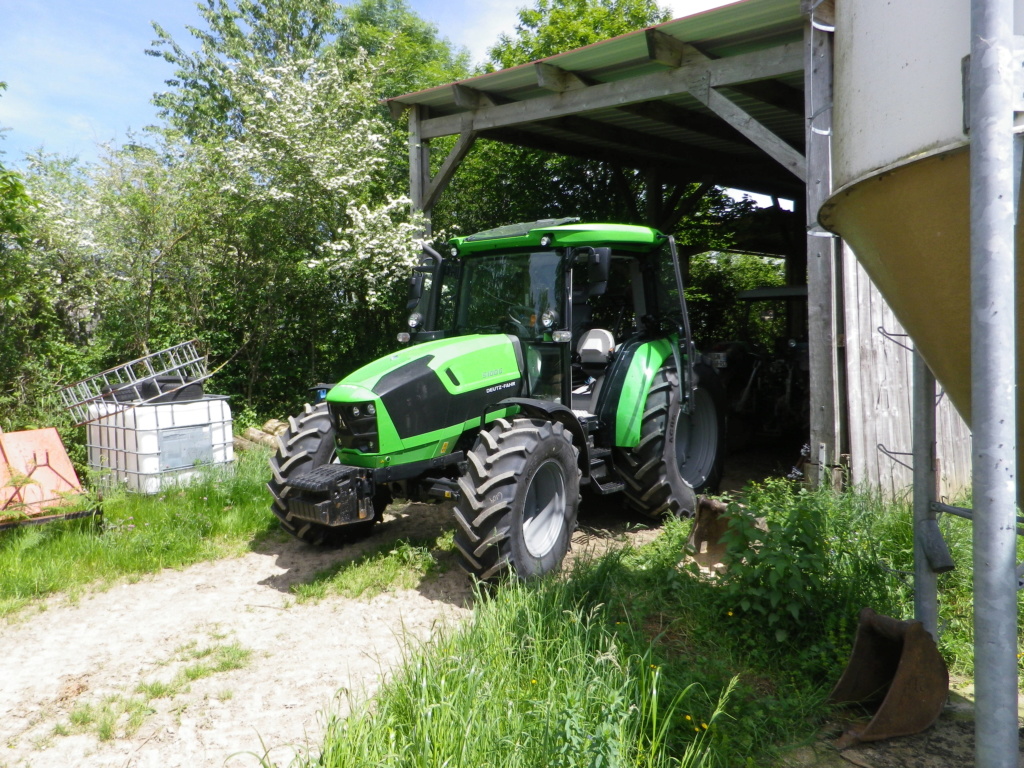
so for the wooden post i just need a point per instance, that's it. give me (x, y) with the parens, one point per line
(823, 267)
(419, 164)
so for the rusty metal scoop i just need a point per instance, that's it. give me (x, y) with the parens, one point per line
(896, 666)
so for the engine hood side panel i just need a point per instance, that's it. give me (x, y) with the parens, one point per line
(427, 393)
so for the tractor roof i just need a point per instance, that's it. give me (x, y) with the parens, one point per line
(563, 233)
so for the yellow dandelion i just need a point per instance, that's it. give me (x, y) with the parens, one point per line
(696, 729)
(654, 666)
(689, 718)
(533, 682)
(704, 726)
(729, 613)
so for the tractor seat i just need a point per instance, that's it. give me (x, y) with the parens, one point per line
(594, 347)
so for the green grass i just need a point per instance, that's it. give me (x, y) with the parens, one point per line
(539, 677)
(625, 661)
(401, 565)
(223, 513)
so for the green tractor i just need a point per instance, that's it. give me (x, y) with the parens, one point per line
(548, 359)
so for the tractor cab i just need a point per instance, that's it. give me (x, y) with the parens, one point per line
(573, 298)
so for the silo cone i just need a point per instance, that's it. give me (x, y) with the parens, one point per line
(895, 667)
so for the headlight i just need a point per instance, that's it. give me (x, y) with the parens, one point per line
(356, 411)
(371, 409)
(548, 318)
(415, 320)
(546, 240)
(454, 251)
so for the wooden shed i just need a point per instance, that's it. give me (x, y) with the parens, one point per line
(741, 97)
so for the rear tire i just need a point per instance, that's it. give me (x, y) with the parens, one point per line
(678, 454)
(702, 437)
(308, 443)
(519, 500)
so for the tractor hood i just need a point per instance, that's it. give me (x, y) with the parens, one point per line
(433, 386)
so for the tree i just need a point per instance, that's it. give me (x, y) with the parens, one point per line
(282, 103)
(556, 26)
(251, 36)
(716, 314)
(320, 246)
(244, 36)
(409, 51)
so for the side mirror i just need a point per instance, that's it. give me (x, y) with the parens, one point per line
(429, 262)
(415, 290)
(599, 262)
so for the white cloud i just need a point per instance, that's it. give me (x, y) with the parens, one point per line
(472, 24)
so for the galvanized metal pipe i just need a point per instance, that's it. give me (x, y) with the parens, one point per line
(993, 376)
(926, 583)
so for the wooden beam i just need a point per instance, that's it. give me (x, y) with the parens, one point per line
(665, 49)
(776, 94)
(790, 159)
(524, 137)
(451, 164)
(396, 108)
(474, 98)
(822, 13)
(704, 85)
(672, 52)
(552, 78)
(737, 173)
(689, 120)
(653, 146)
(756, 65)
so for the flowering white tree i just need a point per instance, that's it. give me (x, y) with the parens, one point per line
(311, 148)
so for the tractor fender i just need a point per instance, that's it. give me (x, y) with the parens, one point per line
(628, 382)
(545, 409)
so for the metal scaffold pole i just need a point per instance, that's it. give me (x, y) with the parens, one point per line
(993, 376)
(926, 608)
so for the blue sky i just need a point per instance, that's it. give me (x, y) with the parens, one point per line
(77, 75)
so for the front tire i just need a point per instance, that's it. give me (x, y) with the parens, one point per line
(306, 444)
(519, 499)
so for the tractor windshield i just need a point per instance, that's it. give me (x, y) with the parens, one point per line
(517, 293)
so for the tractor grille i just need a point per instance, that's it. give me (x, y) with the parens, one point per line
(358, 433)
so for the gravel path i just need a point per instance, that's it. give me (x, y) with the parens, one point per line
(305, 660)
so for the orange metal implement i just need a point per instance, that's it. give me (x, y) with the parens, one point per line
(36, 475)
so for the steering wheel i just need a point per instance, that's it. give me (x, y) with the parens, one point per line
(523, 317)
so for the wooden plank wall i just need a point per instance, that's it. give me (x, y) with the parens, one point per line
(879, 374)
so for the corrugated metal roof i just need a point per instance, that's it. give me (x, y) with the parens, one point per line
(667, 125)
